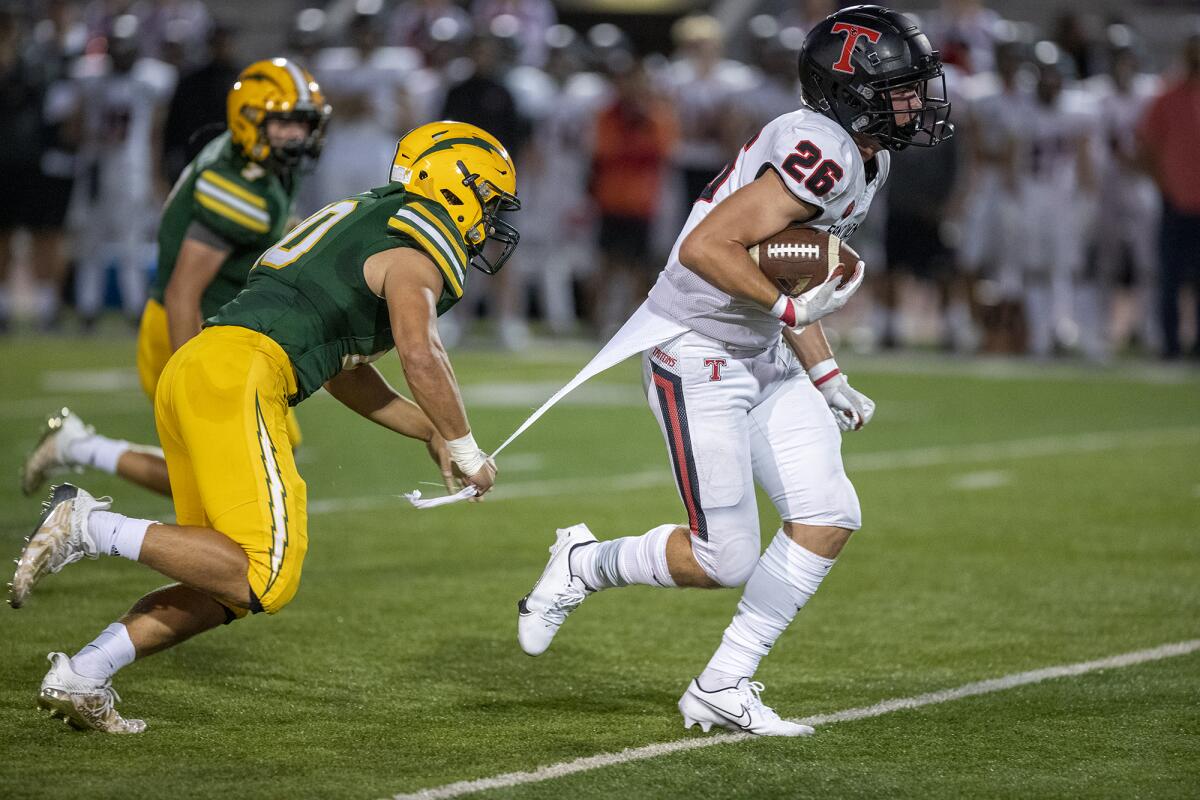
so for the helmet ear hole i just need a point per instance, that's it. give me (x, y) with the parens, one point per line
(423, 175)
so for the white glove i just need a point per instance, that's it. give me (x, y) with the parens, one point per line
(852, 409)
(810, 306)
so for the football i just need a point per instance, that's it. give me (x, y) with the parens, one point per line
(798, 258)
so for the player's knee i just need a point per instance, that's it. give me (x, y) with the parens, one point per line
(734, 561)
(838, 507)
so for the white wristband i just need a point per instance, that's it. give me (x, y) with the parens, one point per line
(466, 454)
(823, 371)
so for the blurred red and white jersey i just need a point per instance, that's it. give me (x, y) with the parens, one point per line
(819, 164)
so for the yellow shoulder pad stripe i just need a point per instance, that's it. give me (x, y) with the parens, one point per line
(430, 249)
(234, 189)
(231, 213)
(450, 234)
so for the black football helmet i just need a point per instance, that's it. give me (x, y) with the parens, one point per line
(854, 59)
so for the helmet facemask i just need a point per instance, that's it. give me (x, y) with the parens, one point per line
(289, 155)
(490, 232)
(928, 118)
(870, 110)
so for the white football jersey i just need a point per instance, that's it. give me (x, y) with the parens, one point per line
(1125, 190)
(1048, 151)
(818, 163)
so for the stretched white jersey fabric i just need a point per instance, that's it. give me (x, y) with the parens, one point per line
(818, 163)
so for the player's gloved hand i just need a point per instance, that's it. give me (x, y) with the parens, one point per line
(810, 306)
(851, 408)
(475, 467)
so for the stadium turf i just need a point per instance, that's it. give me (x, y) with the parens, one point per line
(1016, 517)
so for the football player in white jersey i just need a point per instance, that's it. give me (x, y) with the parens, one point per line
(1129, 204)
(996, 104)
(1055, 167)
(127, 97)
(749, 392)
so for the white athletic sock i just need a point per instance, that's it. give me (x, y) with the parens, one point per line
(96, 451)
(117, 534)
(620, 562)
(107, 653)
(784, 578)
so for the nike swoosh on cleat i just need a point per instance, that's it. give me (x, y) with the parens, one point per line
(738, 721)
(522, 608)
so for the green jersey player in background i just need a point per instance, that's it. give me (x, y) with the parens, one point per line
(232, 202)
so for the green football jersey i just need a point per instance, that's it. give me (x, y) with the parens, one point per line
(308, 292)
(237, 199)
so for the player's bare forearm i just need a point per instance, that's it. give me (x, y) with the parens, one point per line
(411, 285)
(431, 381)
(195, 268)
(364, 391)
(184, 319)
(717, 249)
(809, 345)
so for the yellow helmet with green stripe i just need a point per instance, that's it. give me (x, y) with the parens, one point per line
(276, 88)
(466, 170)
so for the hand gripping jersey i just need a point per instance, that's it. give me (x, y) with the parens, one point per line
(308, 292)
(819, 164)
(240, 201)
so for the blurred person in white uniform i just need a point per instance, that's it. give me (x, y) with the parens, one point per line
(994, 107)
(1125, 245)
(703, 84)
(561, 102)
(123, 98)
(365, 81)
(1057, 190)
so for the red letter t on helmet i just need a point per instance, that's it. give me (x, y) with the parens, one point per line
(853, 34)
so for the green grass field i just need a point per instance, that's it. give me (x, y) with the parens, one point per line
(1016, 517)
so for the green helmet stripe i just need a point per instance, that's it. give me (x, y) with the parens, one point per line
(446, 144)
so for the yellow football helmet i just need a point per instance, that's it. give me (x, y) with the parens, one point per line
(468, 172)
(276, 88)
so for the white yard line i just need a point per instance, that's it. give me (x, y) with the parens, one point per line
(1000, 684)
(980, 480)
(30, 412)
(1034, 447)
(855, 463)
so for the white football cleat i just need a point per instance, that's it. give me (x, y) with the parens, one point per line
(61, 537)
(738, 708)
(49, 456)
(556, 594)
(83, 703)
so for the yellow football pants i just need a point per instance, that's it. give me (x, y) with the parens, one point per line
(221, 410)
(154, 350)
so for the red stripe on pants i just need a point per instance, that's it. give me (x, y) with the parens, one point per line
(676, 432)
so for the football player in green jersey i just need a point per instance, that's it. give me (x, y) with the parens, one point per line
(361, 276)
(229, 205)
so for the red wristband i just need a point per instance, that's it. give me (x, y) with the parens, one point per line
(788, 314)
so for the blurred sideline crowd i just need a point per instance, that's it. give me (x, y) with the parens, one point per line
(1063, 218)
